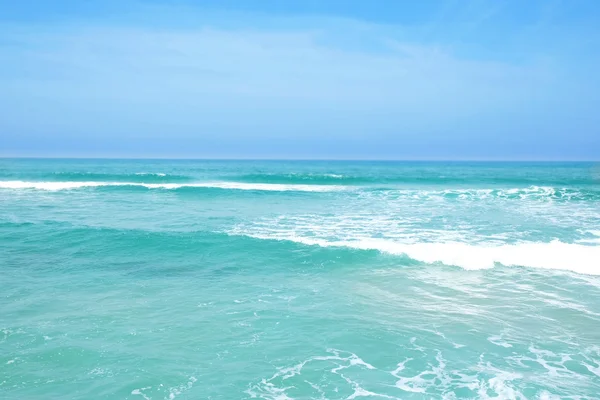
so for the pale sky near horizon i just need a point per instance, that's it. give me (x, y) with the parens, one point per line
(434, 79)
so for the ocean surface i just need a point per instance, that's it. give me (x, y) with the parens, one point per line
(141, 279)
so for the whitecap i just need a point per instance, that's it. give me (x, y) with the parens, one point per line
(151, 173)
(71, 185)
(555, 255)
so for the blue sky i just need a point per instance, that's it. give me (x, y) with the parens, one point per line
(431, 79)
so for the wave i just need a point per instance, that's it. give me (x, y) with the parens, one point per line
(306, 178)
(419, 177)
(531, 193)
(555, 255)
(141, 177)
(72, 185)
(374, 193)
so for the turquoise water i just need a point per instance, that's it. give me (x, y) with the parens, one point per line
(299, 280)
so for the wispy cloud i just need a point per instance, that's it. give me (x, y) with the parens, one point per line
(338, 78)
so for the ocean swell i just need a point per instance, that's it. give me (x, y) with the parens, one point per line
(377, 193)
(72, 185)
(555, 255)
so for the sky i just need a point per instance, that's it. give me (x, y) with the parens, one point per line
(353, 79)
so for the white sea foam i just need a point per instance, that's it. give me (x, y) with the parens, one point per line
(337, 362)
(177, 390)
(150, 174)
(369, 193)
(524, 193)
(551, 255)
(594, 240)
(271, 187)
(140, 392)
(497, 340)
(427, 377)
(69, 185)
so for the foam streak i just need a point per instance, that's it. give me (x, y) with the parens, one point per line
(552, 255)
(54, 186)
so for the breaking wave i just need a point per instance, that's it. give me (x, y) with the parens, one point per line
(555, 255)
(72, 185)
(528, 193)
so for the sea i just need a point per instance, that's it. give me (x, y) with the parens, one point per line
(192, 279)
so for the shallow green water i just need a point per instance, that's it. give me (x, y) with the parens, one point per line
(298, 280)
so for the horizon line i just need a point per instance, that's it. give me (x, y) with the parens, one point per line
(298, 159)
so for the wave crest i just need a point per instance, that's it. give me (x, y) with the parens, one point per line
(555, 255)
(71, 185)
(525, 193)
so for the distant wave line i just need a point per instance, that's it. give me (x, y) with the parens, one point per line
(72, 185)
(378, 192)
